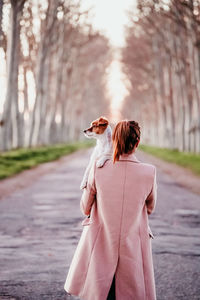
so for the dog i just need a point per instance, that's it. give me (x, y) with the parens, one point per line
(102, 132)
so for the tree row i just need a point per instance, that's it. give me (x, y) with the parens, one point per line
(55, 65)
(162, 62)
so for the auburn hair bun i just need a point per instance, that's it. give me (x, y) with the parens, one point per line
(125, 136)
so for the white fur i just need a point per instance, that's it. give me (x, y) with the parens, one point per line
(102, 151)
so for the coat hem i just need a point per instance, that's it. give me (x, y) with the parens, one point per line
(90, 261)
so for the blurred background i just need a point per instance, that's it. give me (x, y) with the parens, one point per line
(63, 63)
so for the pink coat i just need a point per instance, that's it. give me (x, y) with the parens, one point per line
(116, 239)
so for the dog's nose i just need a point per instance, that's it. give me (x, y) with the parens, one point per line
(84, 131)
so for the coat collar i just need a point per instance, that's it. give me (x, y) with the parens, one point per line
(129, 157)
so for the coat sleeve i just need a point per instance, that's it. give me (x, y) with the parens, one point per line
(89, 193)
(152, 197)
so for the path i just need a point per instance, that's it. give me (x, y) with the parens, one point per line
(40, 227)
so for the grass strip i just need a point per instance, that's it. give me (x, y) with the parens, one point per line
(188, 160)
(15, 161)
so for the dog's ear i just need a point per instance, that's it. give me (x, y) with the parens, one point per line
(103, 120)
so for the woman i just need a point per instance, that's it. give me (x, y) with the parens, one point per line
(113, 259)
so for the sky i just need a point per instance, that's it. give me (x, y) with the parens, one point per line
(110, 16)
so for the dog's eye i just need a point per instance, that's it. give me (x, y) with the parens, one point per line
(104, 124)
(94, 126)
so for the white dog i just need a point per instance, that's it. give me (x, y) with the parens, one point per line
(101, 131)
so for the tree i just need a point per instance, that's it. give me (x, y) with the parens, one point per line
(60, 64)
(161, 60)
(11, 114)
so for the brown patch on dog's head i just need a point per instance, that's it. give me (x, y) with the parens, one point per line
(98, 126)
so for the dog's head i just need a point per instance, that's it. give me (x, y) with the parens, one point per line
(97, 128)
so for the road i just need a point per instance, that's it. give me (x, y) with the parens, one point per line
(40, 226)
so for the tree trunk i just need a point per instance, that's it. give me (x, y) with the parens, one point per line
(11, 110)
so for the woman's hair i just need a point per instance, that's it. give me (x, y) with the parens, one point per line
(125, 136)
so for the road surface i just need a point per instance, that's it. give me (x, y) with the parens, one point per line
(40, 225)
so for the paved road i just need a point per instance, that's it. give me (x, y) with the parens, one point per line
(40, 226)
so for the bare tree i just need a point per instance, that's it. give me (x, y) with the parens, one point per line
(11, 113)
(162, 54)
(62, 61)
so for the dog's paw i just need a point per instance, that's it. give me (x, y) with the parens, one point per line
(83, 184)
(100, 162)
